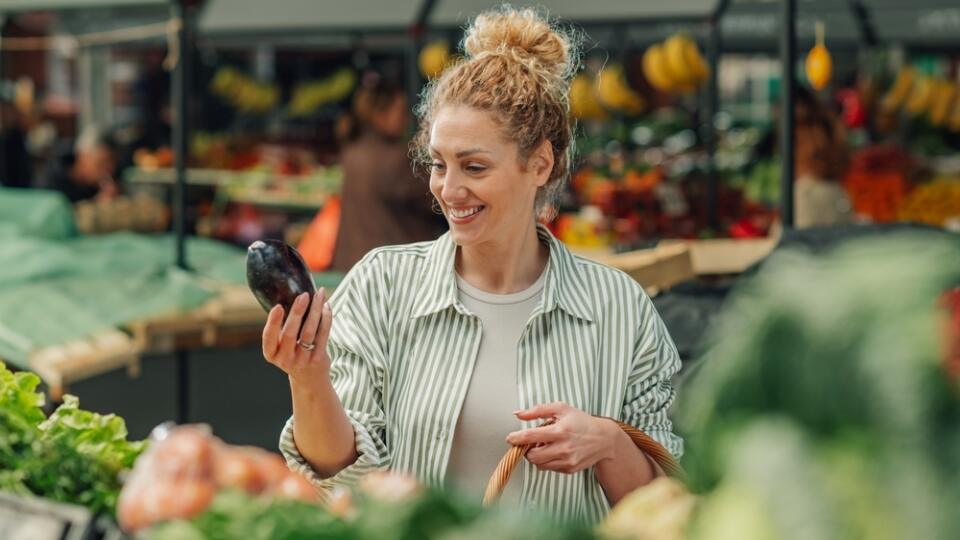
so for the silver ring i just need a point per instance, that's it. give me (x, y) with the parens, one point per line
(307, 346)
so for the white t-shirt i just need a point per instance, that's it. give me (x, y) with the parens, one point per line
(487, 414)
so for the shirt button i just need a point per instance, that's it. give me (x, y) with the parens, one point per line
(442, 435)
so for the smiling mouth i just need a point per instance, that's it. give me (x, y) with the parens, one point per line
(464, 213)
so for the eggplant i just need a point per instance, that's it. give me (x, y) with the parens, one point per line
(277, 274)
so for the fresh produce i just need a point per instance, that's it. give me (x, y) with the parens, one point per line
(933, 203)
(434, 59)
(277, 274)
(877, 181)
(615, 93)
(921, 96)
(660, 510)
(384, 506)
(654, 68)
(310, 96)
(676, 65)
(944, 94)
(820, 403)
(819, 64)
(74, 456)
(900, 91)
(583, 99)
(185, 467)
(243, 92)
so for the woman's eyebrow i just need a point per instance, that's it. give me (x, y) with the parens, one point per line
(470, 151)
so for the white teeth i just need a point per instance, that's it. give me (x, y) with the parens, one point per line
(461, 214)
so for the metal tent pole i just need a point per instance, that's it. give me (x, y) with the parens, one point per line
(788, 45)
(711, 107)
(180, 91)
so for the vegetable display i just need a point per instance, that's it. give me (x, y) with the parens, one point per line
(74, 456)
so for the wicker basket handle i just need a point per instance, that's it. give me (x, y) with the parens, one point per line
(650, 447)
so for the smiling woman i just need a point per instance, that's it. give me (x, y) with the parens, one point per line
(443, 354)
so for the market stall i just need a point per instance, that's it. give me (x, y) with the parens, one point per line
(796, 371)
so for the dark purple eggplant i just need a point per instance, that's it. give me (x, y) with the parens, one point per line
(277, 274)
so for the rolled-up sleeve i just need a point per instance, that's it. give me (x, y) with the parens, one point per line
(650, 392)
(357, 360)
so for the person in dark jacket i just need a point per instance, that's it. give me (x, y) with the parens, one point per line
(15, 166)
(85, 169)
(383, 202)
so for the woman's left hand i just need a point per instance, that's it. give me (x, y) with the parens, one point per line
(574, 442)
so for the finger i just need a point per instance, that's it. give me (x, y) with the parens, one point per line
(558, 465)
(309, 331)
(545, 454)
(288, 336)
(546, 410)
(325, 323)
(271, 332)
(537, 435)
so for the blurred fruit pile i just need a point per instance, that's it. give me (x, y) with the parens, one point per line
(243, 92)
(675, 66)
(935, 203)
(878, 181)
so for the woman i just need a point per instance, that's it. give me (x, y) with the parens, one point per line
(383, 204)
(444, 353)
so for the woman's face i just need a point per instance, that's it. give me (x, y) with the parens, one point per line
(484, 190)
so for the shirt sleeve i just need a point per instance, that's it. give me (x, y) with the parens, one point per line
(356, 371)
(650, 391)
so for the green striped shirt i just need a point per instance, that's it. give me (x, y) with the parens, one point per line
(403, 348)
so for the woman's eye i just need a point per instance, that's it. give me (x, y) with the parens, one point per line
(475, 168)
(437, 166)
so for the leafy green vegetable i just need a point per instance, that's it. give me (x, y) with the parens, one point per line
(822, 403)
(428, 515)
(75, 456)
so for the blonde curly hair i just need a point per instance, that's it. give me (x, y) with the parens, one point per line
(518, 66)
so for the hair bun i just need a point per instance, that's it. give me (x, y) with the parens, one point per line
(525, 33)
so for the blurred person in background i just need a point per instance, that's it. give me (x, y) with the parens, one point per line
(383, 203)
(15, 166)
(821, 159)
(85, 169)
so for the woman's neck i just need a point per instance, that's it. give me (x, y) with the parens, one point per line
(504, 266)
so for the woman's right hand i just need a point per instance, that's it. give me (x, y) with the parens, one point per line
(282, 346)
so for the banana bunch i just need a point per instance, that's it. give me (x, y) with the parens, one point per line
(615, 94)
(900, 91)
(944, 95)
(676, 65)
(583, 99)
(434, 59)
(310, 96)
(244, 93)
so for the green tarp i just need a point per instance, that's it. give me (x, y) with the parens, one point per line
(56, 287)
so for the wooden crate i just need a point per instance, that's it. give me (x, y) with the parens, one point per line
(655, 269)
(61, 365)
(725, 255)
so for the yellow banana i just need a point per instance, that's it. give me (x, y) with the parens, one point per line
(675, 51)
(920, 96)
(955, 115)
(654, 68)
(695, 62)
(943, 99)
(900, 90)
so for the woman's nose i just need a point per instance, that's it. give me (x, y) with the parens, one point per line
(453, 188)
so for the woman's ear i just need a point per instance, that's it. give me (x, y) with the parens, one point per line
(541, 163)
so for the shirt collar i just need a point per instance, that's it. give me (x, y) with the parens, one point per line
(564, 286)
